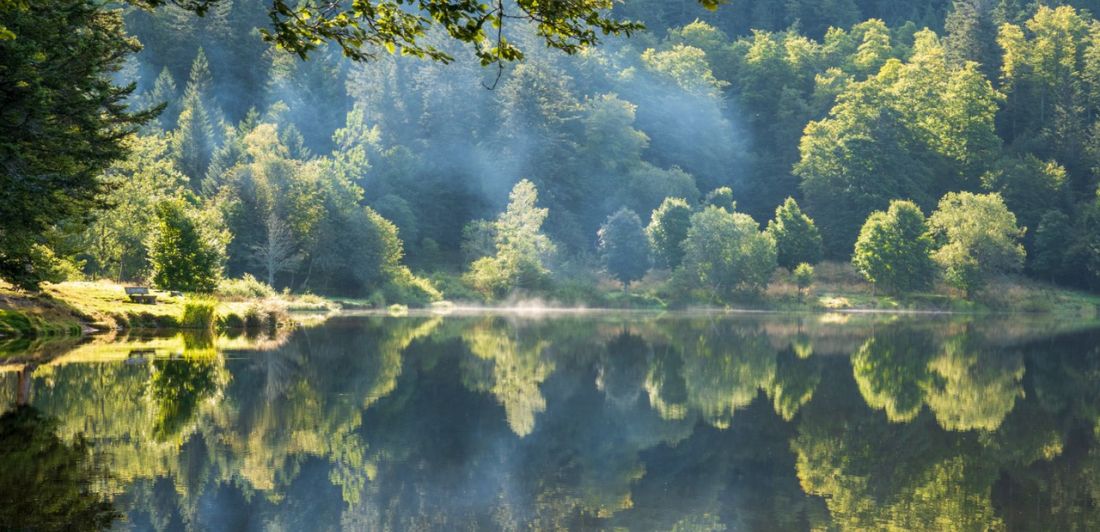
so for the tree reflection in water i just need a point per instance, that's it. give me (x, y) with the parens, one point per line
(47, 483)
(696, 422)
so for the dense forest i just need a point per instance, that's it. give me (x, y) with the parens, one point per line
(919, 140)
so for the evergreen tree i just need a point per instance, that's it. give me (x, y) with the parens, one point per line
(193, 140)
(164, 92)
(796, 237)
(64, 121)
(624, 247)
(972, 35)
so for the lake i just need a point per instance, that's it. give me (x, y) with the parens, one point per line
(590, 421)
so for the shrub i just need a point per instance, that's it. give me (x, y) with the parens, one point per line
(199, 313)
(803, 277)
(247, 287)
(231, 321)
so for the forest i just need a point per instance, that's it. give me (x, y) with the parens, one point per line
(699, 149)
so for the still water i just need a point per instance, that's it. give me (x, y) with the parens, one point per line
(569, 421)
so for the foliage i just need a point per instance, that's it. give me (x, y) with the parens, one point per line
(199, 313)
(847, 110)
(186, 253)
(114, 244)
(727, 253)
(894, 250)
(360, 29)
(47, 483)
(667, 229)
(977, 237)
(721, 197)
(64, 122)
(624, 247)
(520, 246)
(247, 287)
(803, 277)
(915, 130)
(796, 237)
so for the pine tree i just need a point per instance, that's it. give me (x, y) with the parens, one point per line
(972, 36)
(193, 140)
(164, 92)
(64, 122)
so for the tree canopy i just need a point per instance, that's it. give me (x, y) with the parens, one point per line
(365, 27)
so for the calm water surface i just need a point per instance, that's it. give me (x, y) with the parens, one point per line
(590, 421)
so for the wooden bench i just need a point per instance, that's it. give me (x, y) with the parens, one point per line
(140, 294)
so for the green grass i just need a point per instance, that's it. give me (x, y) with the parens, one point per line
(65, 308)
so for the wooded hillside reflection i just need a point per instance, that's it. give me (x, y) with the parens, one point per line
(639, 421)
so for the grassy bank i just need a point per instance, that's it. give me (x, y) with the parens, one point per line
(836, 287)
(67, 309)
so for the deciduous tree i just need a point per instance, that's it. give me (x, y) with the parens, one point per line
(624, 247)
(894, 250)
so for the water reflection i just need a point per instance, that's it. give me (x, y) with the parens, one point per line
(47, 483)
(680, 422)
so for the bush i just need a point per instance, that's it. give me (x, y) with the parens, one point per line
(199, 313)
(231, 321)
(488, 276)
(452, 287)
(803, 277)
(409, 289)
(247, 287)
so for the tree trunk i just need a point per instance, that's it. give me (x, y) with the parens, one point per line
(23, 394)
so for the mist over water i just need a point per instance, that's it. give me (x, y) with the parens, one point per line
(594, 420)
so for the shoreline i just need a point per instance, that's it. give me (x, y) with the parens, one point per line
(84, 309)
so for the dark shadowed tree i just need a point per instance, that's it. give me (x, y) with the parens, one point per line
(62, 122)
(624, 247)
